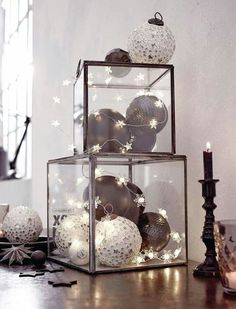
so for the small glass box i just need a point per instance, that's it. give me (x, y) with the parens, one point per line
(113, 212)
(124, 108)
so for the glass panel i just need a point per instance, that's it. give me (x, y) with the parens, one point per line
(132, 112)
(139, 212)
(23, 8)
(68, 217)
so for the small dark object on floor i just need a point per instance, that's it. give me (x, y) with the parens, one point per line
(58, 283)
(32, 274)
(38, 258)
(49, 269)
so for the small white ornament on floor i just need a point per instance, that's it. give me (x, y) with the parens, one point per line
(79, 252)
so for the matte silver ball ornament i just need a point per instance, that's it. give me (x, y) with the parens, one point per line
(148, 113)
(106, 128)
(155, 231)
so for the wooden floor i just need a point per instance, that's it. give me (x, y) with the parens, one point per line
(173, 287)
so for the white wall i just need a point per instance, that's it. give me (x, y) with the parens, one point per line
(205, 74)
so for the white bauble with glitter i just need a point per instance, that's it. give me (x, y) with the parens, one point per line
(117, 241)
(72, 227)
(79, 252)
(22, 225)
(150, 43)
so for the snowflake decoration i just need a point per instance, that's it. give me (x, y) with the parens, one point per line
(162, 212)
(140, 200)
(15, 254)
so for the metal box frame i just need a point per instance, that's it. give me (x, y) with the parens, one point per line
(83, 73)
(130, 161)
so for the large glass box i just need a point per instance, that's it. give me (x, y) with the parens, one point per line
(116, 212)
(124, 108)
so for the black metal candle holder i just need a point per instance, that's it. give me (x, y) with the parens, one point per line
(210, 267)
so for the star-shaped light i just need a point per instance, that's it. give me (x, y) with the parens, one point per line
(108, 80)
(66, 82)
(162, 212)
(121, 181)
(140, 76)
(96, 148)
(96, 114)
(153, 123)
(71, 147)
(56, 100)
(94, 97)
(108, 70)
(140, 200)
(128, 146)
(119, 98)
(158, 104)
(120, 124)
(55, 123)
(167, 256)
(98, 172)
(97, 201)
(175, 237)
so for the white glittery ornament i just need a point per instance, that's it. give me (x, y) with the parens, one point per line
(72, 227)
(151, 43)
(79, 252)
(22, 225)
(117, 241)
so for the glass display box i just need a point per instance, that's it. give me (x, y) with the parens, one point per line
(124, 108)
(117, 212)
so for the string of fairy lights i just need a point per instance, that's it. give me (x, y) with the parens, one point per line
(166, 256)
(153, 123)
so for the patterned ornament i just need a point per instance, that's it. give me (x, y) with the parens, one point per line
(72, 227)
(143, 141)
(155, 231)
(107, 129)
(117, 241)
(146, 112)
(118, 55)
(79, 252)
(152, 42)
(22, 225)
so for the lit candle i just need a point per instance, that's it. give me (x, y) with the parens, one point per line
(207, 160)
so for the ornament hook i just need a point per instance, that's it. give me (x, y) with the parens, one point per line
(156, 21)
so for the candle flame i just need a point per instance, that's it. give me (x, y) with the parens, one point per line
(208, 146)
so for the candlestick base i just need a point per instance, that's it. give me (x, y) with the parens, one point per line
(207, 271)
(210, 267)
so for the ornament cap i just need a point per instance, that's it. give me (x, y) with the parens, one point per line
(156, 21)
